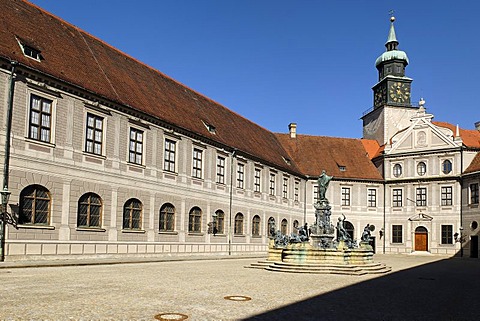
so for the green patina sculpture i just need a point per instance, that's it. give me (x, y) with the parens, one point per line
(323, 181)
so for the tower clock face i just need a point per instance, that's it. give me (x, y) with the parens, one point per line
(399, 92)
(380, 96)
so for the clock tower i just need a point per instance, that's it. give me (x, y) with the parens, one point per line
(391, 94)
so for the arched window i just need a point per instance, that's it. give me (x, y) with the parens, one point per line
(284, 227)
(446, 166)
(295, 224)
(167, 217)
(271, 226)
(238, 229)
(421, 168)
(89, 210)
(195, 220)
(132, 214)
(350, 229)
(397, 170)
(220, 221)
(35, 205)
(256, 225)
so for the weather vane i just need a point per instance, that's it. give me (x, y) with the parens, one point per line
(391, 12)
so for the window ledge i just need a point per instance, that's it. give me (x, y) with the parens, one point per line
(39, 142)
(256, 236)
(447, 245)
(238, 235)
(37, 226)
(397, 244)
(196, 233)
(473, 205)
(90, 229)
(99, 156)
(136, 166)
(134, 231)
(220, 234)
(168, 232)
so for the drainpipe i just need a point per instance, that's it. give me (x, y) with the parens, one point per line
(6, 164)
(384, 205)
(230, 236)
(461, 199)
(305, 201)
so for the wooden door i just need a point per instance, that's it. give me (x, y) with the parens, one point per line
(474, 246)
(421, 241)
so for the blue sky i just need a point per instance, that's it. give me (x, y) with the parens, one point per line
(304, 61)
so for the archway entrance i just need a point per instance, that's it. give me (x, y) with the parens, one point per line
(350, 229)
(421, 239)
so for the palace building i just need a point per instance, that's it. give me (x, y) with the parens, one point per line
(105, 156)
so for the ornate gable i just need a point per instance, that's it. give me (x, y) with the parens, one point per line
(422, 134)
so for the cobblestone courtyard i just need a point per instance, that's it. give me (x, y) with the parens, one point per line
(418, 288)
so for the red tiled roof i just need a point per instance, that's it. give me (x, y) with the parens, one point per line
(372, 147)
(474, 165)
(470, 137)
(316, 153)
(78, 58)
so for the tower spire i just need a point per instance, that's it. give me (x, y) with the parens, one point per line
(392, 41)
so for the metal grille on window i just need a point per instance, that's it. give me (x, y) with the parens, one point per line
(132, 214)
(34, 205)
(89, 210)
(167, 217)
(195, 220)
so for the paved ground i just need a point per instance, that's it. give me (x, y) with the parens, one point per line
(418, 288)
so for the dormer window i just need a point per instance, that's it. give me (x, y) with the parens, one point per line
(30, 51)
(211, 129)
(342, 168)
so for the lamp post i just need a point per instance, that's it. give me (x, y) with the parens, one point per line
(5, 195)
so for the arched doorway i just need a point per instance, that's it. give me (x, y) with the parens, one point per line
(421, 239)
(350, 229)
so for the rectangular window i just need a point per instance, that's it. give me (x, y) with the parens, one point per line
(169, 158)
(474, 193)
(297, 191)
(257, 180)
(397, 234)
(197, 163)
(272, 184)
(240, 175)
(421, 196)
(315, 193)
(136, 146)
(397, 198)
(40, 124)
(345, 196)
(447, 196)
(220, 170)
(372, 197)
(285, 188)
(447, 234)
(94, 134)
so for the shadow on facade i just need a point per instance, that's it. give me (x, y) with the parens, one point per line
(444, 290)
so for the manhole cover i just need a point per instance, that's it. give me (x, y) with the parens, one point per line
(237, 298)
(171, 316)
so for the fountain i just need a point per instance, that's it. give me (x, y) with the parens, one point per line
(315, 249)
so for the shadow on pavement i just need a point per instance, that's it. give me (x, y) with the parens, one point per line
(443, 290)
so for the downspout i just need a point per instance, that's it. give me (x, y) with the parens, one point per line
(230, 235)
(6, 164)
(305, 201)
(384, 205)
(461, 199)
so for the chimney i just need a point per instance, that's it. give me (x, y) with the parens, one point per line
(292, 127)
(477, 125)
